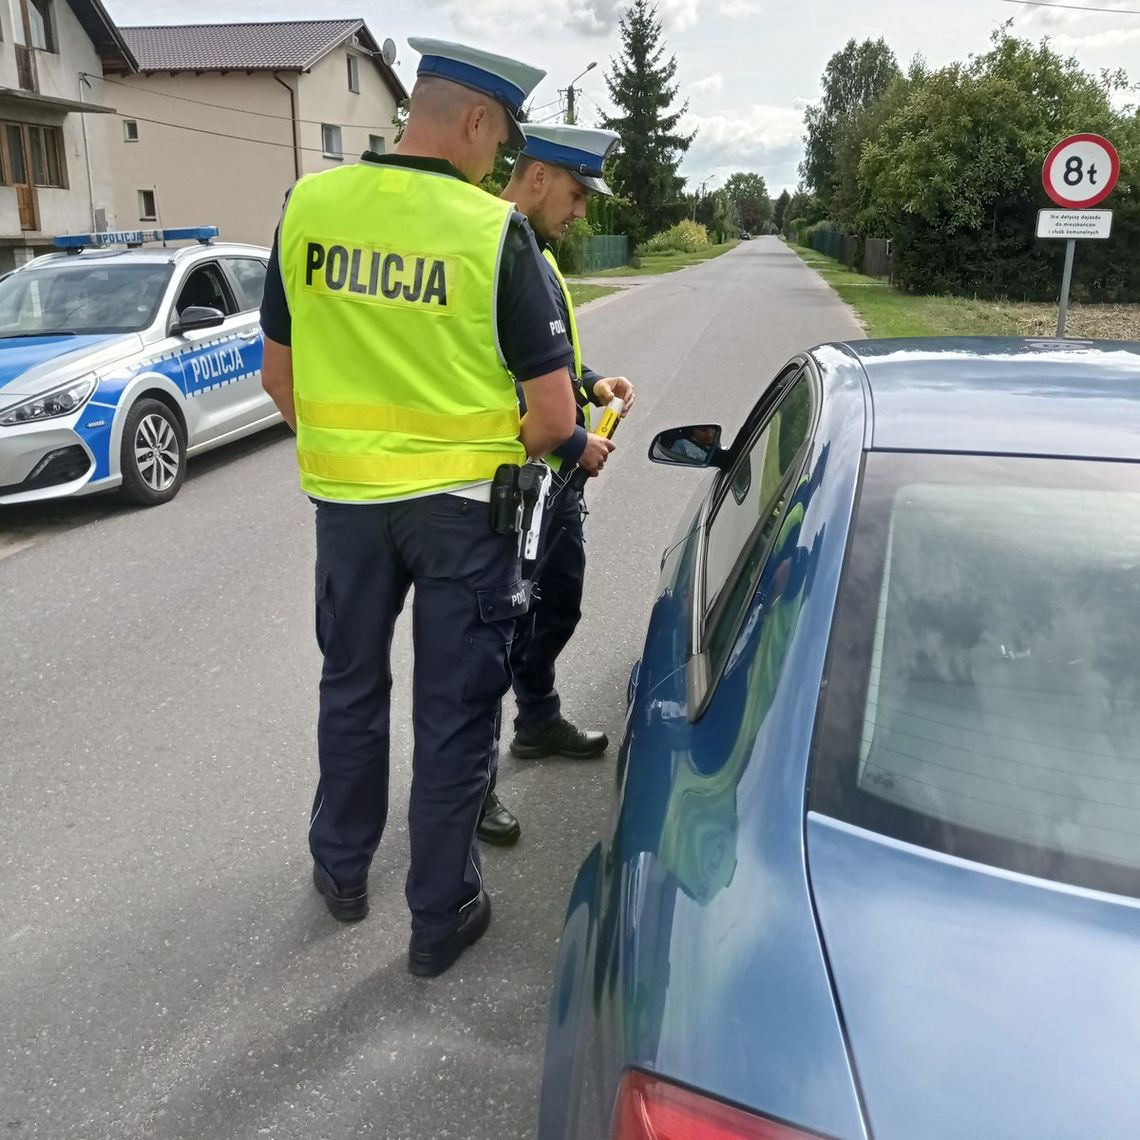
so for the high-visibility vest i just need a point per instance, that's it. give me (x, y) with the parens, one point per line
(582, 397)
(399, 382)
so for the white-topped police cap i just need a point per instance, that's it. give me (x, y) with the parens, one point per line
(508, 81)
(580, 150)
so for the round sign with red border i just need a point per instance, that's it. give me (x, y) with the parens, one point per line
(1081, 171)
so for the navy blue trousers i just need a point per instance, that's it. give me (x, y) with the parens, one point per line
(555, 612)
(467, 594)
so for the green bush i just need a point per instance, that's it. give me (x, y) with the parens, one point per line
(684, 237)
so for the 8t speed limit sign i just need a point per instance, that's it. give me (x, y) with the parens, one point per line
(1081, 171)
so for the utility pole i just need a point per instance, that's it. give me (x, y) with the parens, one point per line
(571, 91)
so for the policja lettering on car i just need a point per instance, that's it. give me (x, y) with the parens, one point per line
(214, 365)
(342, 271)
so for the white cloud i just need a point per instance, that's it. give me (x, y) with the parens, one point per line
(1068, 44)
(710, 85)
(739, 9)
(587, 17)
(765, 138)
(1044, 17)
(498, 17)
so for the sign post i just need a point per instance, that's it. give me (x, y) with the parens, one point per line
(1079, 173)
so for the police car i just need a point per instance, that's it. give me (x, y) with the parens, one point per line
(119, 361)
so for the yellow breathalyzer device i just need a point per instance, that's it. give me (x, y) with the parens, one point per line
(611, 417)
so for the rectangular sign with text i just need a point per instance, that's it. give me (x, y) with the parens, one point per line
(1074, 224)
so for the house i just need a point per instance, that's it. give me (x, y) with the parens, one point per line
(54, 176)
(219, 120)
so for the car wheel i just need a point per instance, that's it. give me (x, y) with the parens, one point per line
(153, 454)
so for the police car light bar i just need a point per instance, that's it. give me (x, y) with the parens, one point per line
(76, 242)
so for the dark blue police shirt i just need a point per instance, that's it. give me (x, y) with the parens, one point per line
(528, 336)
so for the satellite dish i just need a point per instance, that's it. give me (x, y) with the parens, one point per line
(388, 52)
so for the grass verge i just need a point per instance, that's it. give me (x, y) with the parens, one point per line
(651, 263)
(886, 312)
(581, 294)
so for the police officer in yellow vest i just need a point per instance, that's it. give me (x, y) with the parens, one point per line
(552, 179)
(401, 306)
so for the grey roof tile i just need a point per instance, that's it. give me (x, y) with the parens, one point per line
(285, 46)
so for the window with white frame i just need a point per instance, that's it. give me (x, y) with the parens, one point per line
(353, 73)
(331, 143)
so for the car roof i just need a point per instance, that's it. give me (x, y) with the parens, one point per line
(152, 255)
(1017, 396)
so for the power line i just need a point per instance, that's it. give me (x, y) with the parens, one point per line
(1073, 7)
(221, 134)
(222, 106)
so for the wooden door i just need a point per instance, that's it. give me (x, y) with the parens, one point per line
(19, 173)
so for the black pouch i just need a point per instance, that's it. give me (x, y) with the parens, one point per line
(506, 502)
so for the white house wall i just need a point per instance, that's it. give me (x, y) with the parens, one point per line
(227, 164)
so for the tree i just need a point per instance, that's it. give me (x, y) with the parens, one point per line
(641, 86)
(749, 193)
(400, 118)
(855, 78)
(953, 177)
(780, 210)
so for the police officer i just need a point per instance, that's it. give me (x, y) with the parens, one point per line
(401, 306)
(560, 167)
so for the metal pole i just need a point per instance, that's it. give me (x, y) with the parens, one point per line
(1066, 283)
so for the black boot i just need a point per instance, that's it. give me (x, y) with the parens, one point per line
(558, 738)
(497, 825)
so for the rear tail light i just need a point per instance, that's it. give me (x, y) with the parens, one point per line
(649, 1108)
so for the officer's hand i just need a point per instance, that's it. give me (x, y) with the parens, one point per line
(605, 390)
(597, 451)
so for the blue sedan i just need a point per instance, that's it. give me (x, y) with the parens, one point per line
(874, 869)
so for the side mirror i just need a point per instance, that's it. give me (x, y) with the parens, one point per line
(695, 446)
(198, 317)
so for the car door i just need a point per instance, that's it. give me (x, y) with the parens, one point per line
(221, 366)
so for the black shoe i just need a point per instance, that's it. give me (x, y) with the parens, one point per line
(558, 738)
(346, 904)
(497, 824)
(433, 958)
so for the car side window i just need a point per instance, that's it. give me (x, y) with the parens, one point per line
(205, 286)
(744, 521)
(248, 276)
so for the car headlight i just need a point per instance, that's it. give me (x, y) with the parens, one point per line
(60, 401)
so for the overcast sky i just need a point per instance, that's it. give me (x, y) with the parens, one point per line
(747, 67)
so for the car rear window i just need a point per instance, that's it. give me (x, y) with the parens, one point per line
(983, 690)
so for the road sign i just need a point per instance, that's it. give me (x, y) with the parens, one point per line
(1081, 171)
(1074, 225)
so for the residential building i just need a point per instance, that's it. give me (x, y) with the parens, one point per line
(54, 177)
(220, 119)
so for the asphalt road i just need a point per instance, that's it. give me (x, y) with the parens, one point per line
(166, 970)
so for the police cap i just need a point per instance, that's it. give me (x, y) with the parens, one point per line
(508, 81)
(580, 150)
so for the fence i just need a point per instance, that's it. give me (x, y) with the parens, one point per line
(603, 251)
(871, 256)
(877, 258)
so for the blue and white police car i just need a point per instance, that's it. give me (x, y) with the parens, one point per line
(120, 359)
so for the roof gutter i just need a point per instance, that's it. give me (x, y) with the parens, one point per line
(296, 127)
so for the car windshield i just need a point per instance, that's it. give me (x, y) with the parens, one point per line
(983, 694)
(81, 297)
